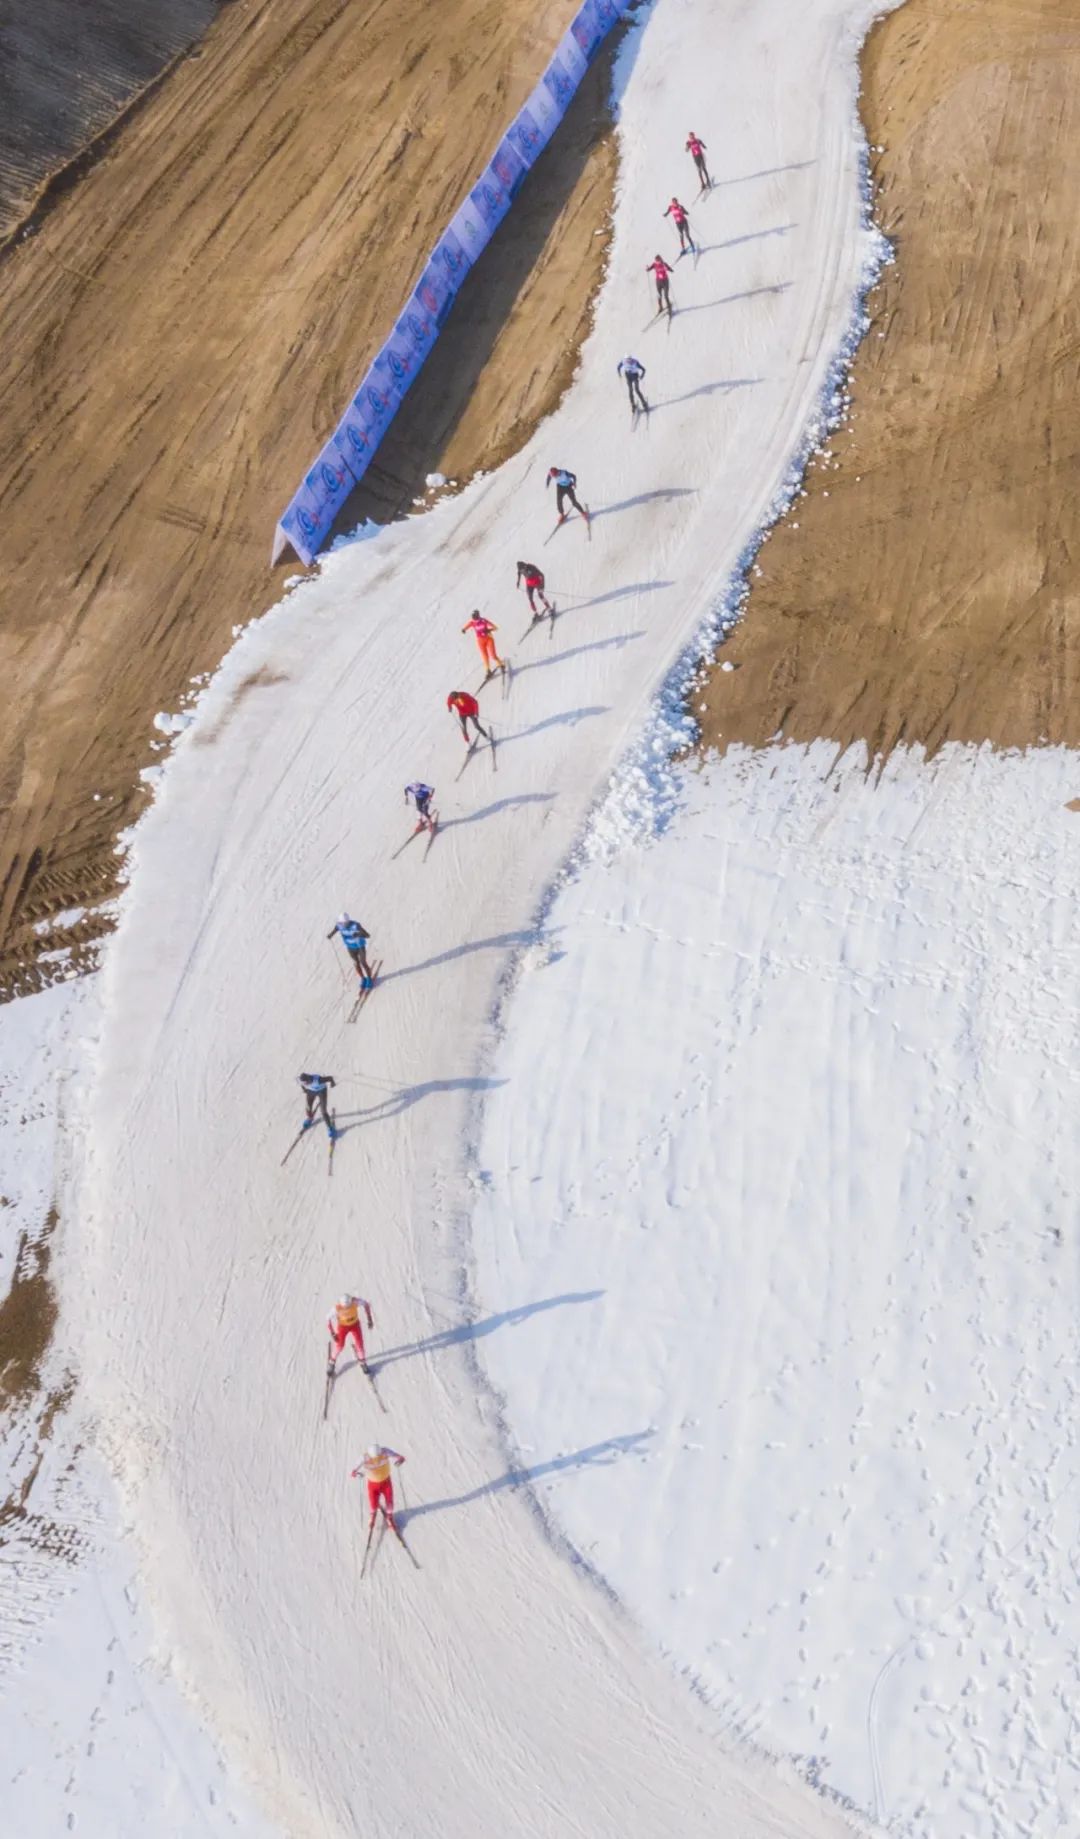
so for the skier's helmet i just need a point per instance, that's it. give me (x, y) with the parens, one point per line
(344, 1302)
(343, 919)
(373, 1452)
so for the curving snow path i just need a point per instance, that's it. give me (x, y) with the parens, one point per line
(500, 1688)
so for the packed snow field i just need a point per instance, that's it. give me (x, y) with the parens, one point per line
(786, 1100)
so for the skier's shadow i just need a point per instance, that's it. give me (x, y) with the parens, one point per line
(630, 504)
(499, 939)
(408, 1096)
(576, 651)
(568, 719)
(616, 593)
(767, 172)
(475, 1331)
(707, 389)
(752, 236)
(595, 1455)
(750, 293)
(501, 804)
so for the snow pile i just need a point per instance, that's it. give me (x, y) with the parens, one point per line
(172, 724)
(793, 1106)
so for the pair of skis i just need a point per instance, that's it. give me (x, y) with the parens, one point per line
(540, 619)
(413, 834)
(565, 519)
(506, 671)
(473, 745)
(365, 992)
(309, 1124)
(387, 1520)
(331, 1375)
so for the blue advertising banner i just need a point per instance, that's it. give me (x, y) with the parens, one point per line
(527, 136)
(314, 507)
(588, 29)
(350, 450)
(508, 166)
(470, 230)
(491, 200)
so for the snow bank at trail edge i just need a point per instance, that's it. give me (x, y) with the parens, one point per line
(790, 1098)
(498, 1675)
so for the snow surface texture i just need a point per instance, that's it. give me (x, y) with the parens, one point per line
(790, 1097)
(502, 1675)
(94, 1739)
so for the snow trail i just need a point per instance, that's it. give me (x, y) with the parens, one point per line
(498, 1677)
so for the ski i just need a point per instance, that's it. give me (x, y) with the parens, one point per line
(538, 619)
(413, 834)
(398, 1535)
(331, 1374)
(434, 825)
(491, 744)
(333, 1139)
(367, 1547)
(470, 750)
(551, 533)
(365, 992)
(370, 1377)
(302, 1132)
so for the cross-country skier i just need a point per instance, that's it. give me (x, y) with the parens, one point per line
(633, 370)
(485, 630)
(662, 272)
(678, 214)
(355, 937)
(315, 1087)
(421, 796)
(375, 1469)
(534, 584)
(696, 148)
(564, 491)
(343, 1324)
(467, 710)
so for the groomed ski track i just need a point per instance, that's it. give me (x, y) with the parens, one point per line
(498, 1689)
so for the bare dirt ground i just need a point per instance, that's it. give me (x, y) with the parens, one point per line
(179, 335)
(930, 591)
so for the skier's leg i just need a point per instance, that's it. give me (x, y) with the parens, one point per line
(309, 1109)
(324, 1108)
(356, 1335)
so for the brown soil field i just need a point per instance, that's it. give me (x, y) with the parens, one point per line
(928, 593)
(178, 335)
